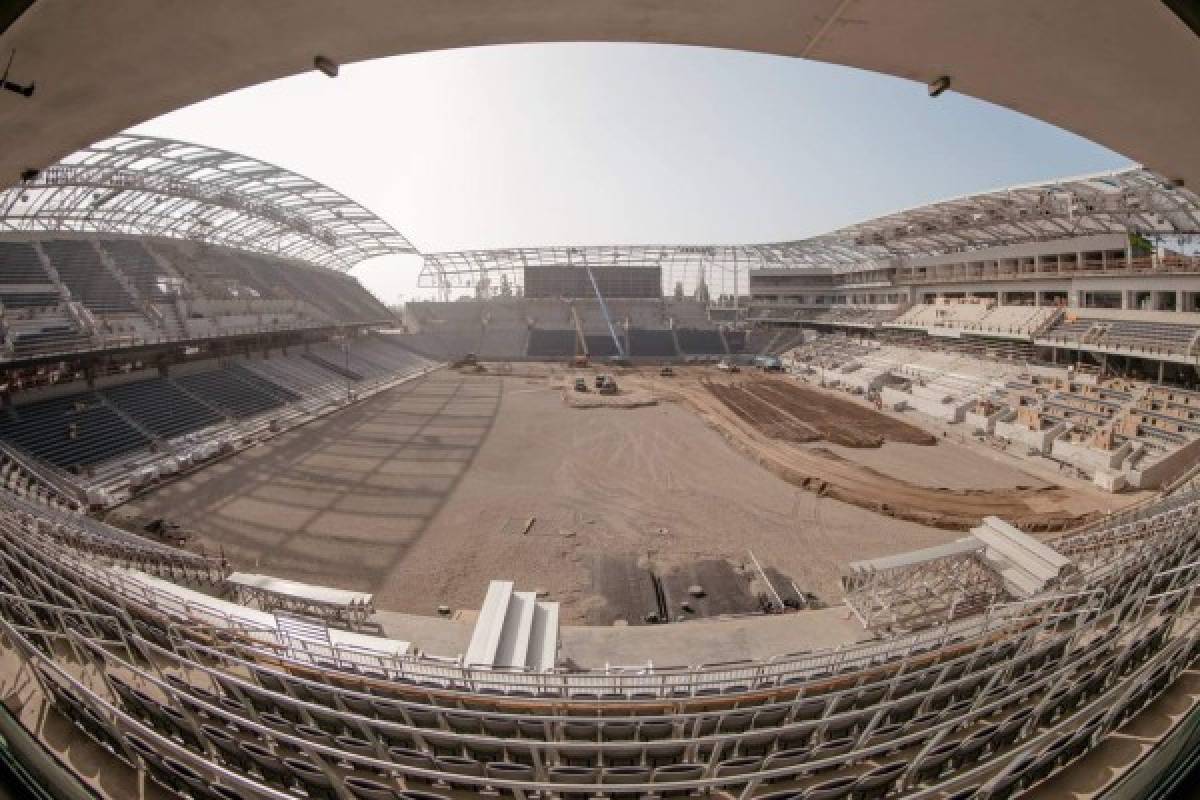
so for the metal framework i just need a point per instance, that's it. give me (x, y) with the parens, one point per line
(1126, 201)
(1134, 200)
(922, 588)
(161, 187)
(715, 266)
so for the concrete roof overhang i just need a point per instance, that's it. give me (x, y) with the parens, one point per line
(1120, 73)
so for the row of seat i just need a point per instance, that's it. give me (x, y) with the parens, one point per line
(89, 281)
(91, 427)
(276, 737)
(136, 262)
(96, 272)
(72, 431)
(19, 264)
(987, 713)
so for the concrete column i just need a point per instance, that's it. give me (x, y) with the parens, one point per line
(1179, 300)
(1161, 365)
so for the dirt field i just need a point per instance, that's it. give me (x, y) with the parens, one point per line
(766, 418)
(424, 493)
(796, 413)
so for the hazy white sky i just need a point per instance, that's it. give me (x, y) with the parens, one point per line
(623, 144)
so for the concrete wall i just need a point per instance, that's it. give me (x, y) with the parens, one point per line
(1040, 441)
(1168, 469)
(1087, 458)
(987, 424)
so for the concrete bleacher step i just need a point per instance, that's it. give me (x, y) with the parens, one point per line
(1019, 558)
(514, 630)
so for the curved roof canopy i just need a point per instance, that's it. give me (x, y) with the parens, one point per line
(161, 187)
(1120, 73)
(1127, 201)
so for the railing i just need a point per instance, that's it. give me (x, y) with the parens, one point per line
(102, 342)
(55, 482)
(1138, 266)
(1110, 346)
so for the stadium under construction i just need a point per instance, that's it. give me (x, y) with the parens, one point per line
(908, 509)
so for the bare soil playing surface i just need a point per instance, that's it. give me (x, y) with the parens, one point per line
(766, 417)
(424, 493)
(796, 413)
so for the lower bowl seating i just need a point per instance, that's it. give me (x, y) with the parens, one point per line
(1006, 703)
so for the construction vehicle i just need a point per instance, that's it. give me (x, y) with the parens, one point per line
(467, 360)
(769, 363)
(667, 371)
(725, 365)
(581, 385)
(600, 380)
(609, 386)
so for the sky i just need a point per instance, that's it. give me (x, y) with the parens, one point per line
(523, 145)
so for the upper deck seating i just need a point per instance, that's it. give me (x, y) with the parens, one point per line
(132, 258)
(29, 300)
(19, 264)
(1145, 335)
(1154, 336)
(1021, 320)
(51, 336)
(340, 296)
(943, 315)
(1073, 328)
(89, 281)
(220, 267)
(850, 315)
